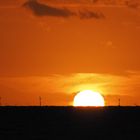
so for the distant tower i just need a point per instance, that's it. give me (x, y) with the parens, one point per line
(0, 102)
(40, 101)
(119, 102)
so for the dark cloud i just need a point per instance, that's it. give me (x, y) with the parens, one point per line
(40, 9)
(45, 10)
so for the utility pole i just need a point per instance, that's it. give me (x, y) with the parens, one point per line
(0, 102)
(119, 102)
(40, 101)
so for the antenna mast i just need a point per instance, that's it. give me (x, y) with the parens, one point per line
(119, 102)
(40, 101)
(0, 102)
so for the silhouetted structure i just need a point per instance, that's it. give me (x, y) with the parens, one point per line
(0, 102)
(119, 102)
(40, 101)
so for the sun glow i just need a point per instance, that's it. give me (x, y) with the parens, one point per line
(88, 98)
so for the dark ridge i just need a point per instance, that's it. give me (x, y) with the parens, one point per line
(59, 122)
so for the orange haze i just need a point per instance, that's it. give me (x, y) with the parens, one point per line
(54, 49)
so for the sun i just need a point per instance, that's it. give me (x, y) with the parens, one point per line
(88, 98)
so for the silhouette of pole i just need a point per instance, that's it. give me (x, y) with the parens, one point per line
(119, 102)
(40, 101)
(0, 102)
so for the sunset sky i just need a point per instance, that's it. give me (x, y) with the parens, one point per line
(55, 48)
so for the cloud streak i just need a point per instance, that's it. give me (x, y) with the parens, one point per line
(111, 86)
(133, 3)
(41, 10)
(86, 14)
(45, 10)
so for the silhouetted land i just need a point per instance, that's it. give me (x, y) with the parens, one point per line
(43, 123)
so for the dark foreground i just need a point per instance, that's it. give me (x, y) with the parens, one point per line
(43, 123)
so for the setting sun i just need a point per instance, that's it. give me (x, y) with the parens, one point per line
(88, 98)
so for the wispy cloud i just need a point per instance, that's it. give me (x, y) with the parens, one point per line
(86, 14)
(40, 9)
(57, 86)
(72, 83)
(131, 3)
(45, 10)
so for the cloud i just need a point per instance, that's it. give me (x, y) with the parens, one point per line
(86, 14)
(73, 82)
(22, 89)
(129, 3)
(133, 4)
(97, 2)
(45, 10)
(40, 9)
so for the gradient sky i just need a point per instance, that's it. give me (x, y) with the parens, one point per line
(55, 48)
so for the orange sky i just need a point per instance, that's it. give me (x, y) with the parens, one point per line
(55, 48)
